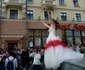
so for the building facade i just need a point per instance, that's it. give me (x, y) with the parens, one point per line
(13, 26)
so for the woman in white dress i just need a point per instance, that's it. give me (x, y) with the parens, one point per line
(56, 51)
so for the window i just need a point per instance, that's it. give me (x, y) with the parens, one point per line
(44, 41)
(73, 37)
(38, 37)
(77, 37)
(13, 14)
(37, 41)
(63, 16)
(61, 2)
(31, 42)
(69, 35)
(37, 32)
(30, 0)
(30, 14)
(83, 33)
(46, 15)
(78, 17)
(76, 33)
(75, 2)
(83, 37)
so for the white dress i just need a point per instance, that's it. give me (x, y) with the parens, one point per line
(56, 51)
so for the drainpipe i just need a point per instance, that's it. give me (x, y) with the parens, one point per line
(27, 37)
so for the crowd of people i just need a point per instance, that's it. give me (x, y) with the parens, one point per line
(32, 58)
(78, 48)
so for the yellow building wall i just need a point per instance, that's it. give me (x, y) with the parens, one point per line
(36, 6)
(35, 3)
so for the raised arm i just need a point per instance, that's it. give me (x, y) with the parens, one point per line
(46, 24)
(49, 16)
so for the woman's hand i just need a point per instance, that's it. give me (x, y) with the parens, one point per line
(46, 8)
(45, 24)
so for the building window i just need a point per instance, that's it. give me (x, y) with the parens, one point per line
(75, 2)
(61, 2)
(83, 37)
(37, 41)
(77, 37)
(73, 37)
(63, 16)
(29, 0)
(69, 35)
(30, 14)
(46, 15)
(13, 14)
(78, 17)
(38, 37)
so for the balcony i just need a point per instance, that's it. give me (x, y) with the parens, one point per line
(49, 3)
(14, 3)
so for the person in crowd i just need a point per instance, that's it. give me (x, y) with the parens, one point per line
(25, 58)
(82, 48)
(2, 67)
(19, 57)
(36, 59)
(11, 62)
(77, 48)
(31, 57)
(42, 54)
(56, 51)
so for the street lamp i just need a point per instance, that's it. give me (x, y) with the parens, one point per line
(27, 37)
(0, 17)
(0, 8)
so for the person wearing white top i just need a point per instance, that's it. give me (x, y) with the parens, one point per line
(36, 61)
(11, 58)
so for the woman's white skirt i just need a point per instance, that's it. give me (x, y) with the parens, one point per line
(56, 52)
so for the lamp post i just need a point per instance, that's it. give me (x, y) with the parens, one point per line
(0, 18)
(27, 37)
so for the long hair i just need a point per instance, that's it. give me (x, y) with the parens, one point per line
(56, 22)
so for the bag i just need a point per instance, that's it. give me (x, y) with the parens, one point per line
(10, 65)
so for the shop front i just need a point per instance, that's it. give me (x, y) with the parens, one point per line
(37, 37)
(13, 33)
(73, 34)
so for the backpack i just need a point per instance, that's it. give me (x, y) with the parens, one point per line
(10, 65)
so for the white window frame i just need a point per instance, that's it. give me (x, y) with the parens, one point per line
(49, 11)
(9, 13)
(64, 12)
(29, 1)
(75, 16)
(63, 3)
(77, 2)
(33, 12)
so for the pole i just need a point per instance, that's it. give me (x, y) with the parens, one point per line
(0, 18)
(0, 8)
(27, 37)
